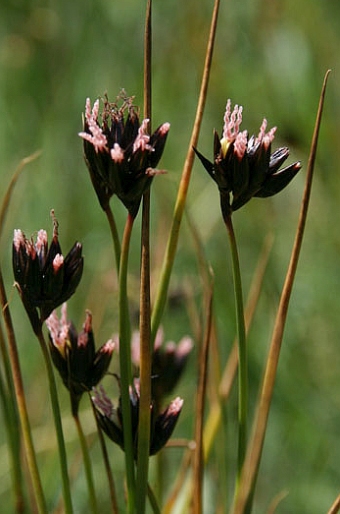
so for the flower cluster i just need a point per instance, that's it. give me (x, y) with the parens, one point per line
(120, 154)
(43, 276)
(244, 167)
(81, 367)
(168, 361)
(111, 420)
(167, 364)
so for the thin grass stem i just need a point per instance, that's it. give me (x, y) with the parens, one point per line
(93, 506)
(242, 351)
(171, 248)
(198, 464)
(145, 304)
(125, 365)
(10, 388)
(108, 470)
(21, 402)
(58, 424)
(114, 235)
(153, 501)
(230, 370)
(10, 417)
(243, 503)
(11, 421)
(145, 365)
(14, 179)
(335, 507)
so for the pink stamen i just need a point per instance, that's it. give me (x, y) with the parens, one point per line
(159, 338)
(58, 261)
(83, 339)
(184, 347)
(95, 109)
(96, 138)
(164, 129)
(59, 328)
(103, 402)
(240, 144)
(41, 243)
(263, 137)
(152, 172)
(232, 121)
(108, 347)
(175, 406)
(170, 347)
(142, 139)
(18, 239)
(117, 153)
(63, 318)
(53, 326)
(268, 138)
(88, 112)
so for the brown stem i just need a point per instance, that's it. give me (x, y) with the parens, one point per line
(198, 464)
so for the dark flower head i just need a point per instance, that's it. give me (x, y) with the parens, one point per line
(44, 278)
(243, 167)
(120, 154)
(168, 361)
(111, 420)
(81, 367)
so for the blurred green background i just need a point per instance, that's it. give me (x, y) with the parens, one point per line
(270, 57)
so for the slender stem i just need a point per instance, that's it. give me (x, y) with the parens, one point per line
(8, 194)
(114, 235)
(58, 425)
(242, 350)
(335, 507)
(87, 465)
(13, 391)
(11, 427)
(21, 402)
(161, 296)
(198, 464)
(145, 305)
(229, 373)
(145, 365)
(112, 488)
(11, 420)
(153, 501)
(125, 364)
(243, 502)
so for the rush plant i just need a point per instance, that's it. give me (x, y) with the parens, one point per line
(122, 153)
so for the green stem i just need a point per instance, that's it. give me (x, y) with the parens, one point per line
(243, 501)
(57, 423)
(108, 470)
(87, 465)
(114, 235)
(171, 248)
(153, 501)
(242, 350)
(125, 364)
(21, 402)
